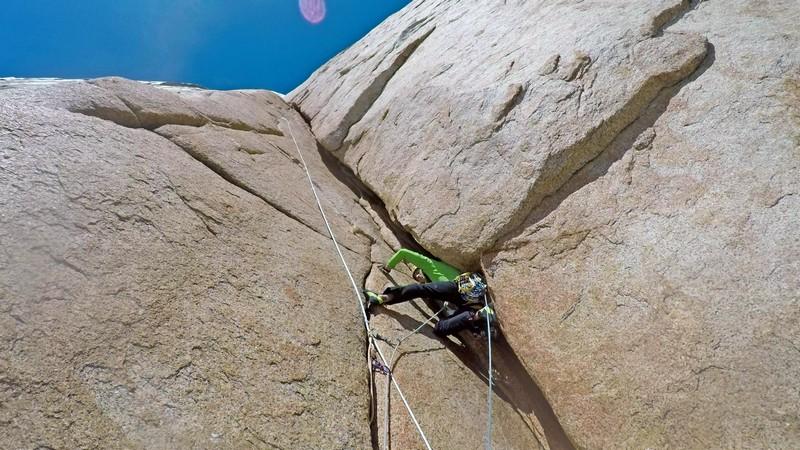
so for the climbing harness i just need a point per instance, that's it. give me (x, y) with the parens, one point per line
(487, 313)
(356, 290)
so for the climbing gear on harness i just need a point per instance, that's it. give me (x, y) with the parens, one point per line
(487, 315)
(471, 286)
(379, 367)
(373, 298)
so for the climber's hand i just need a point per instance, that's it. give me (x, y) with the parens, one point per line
(485, 313)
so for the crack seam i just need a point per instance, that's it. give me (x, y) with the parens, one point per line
(227, 177)
(224, 175)
(372, 92)
(582, 147)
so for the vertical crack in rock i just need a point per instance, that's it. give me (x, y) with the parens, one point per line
(561, 166)
(370, 94)
(346, 176)
(525, 394)
(515, 384)
(221, 172)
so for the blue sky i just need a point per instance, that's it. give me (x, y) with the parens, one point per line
(220, 44)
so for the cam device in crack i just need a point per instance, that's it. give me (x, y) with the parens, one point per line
(464, 292)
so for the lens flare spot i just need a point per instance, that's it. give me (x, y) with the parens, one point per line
(313, 10)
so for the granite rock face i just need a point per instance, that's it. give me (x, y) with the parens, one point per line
(664, 278)
(627, 175)
(150, 300)
(464, 115)
(167, 281)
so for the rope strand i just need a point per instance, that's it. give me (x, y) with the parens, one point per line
(355, 287)
(489, 400)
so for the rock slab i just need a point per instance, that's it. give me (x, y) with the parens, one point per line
(166, 281)
(151, 301)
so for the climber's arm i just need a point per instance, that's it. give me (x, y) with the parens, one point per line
(433, 269)
(404, 255)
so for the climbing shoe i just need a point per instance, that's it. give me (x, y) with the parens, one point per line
(372, 298)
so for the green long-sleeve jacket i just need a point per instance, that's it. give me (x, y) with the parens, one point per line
(433, 269)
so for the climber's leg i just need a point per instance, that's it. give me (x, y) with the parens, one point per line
(438, 290)
(463, 319)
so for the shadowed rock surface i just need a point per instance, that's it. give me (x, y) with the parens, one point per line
(665, 273)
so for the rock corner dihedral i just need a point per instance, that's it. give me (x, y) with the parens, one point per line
(624, 175)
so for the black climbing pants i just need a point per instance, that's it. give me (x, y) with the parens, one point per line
(458, 321)
(437, 290)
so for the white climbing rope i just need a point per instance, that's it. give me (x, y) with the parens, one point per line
(489, 400)
(390, 375)
(355, 288)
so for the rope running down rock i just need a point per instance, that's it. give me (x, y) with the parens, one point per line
(355, 287)
(488, 438)
(390, 375)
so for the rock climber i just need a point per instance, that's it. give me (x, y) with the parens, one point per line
(438, 280)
